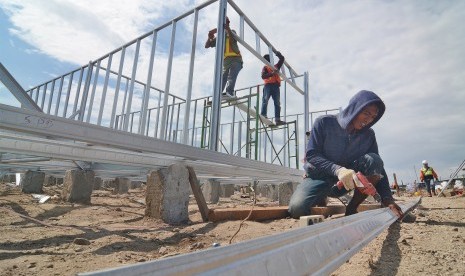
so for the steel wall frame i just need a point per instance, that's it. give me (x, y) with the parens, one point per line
(72, 95)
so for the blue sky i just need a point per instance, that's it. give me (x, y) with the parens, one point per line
(409, 52)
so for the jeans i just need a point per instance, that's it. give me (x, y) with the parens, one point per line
(430, 186)
(271, 90)
(230, 75)
(317, 186)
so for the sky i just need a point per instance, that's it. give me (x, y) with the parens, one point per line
(408, 52)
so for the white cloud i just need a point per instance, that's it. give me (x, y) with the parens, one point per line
(409, 52)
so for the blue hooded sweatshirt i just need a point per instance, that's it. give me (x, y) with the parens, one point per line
(331, 146)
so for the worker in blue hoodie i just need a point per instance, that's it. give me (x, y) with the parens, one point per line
(340, 146)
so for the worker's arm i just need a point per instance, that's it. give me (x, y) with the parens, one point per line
(266, 73)
(281, 60)
(211, 41)
(315, 150)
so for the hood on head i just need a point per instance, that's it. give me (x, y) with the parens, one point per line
(358, 102)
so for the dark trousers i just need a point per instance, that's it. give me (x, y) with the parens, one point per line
(271, 90)
(316, 187)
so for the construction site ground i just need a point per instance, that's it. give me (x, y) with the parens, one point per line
(58, 238)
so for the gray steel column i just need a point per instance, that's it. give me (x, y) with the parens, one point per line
(92, 94)
(68, 93)
(118, 84)
(131, 87)
(78, 90)
(189, 82)
(146, 98)
(216, 100)
(57, 106)
(193, 123)
(43, 96)
(49, 108)
(306, 103)
(104, 92)
(164, 114)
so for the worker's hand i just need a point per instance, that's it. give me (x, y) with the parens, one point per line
(394, 208)
(348, 178)
(212, 32)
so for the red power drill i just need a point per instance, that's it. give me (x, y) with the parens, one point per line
(367, 189)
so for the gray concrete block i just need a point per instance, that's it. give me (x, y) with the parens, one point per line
(78, 186)
(109, 183)
(285, 191)
(268, 190)
(121, 185)
(211, 191)
(49, 180)
(98, 183)
(226, 190)
(32, 182)
(135, 185)
(167, 194)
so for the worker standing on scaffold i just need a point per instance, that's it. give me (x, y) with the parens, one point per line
(232, 62)
(271, 89)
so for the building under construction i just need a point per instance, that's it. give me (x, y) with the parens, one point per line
(121, 120)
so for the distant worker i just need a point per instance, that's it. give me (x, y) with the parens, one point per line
(427, 173)
(232, 59)
(271, 89)
(340, 146)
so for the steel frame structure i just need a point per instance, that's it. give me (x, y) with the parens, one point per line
(120, 91)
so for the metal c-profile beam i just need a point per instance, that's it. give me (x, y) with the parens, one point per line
(13, 86)
(317, 250)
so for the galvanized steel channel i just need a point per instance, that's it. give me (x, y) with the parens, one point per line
(317, 250)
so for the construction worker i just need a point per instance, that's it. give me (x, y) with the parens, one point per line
(271, 89)
(339, 146)
(232, 62)
(427, 173)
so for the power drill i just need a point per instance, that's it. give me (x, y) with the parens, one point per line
(367, 189)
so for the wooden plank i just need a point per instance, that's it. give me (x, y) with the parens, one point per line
(199, 198)
(278, 212)
(258, 213)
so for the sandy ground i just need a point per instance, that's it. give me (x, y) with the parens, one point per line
(57, 238)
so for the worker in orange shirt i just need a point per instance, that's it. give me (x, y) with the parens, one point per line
(271, 89)
(427, 173)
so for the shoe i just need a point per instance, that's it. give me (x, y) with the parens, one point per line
(279, 122)
(228, 95)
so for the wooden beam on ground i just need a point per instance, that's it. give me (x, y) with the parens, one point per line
(278, 212)
(258, 213)
(203, 208)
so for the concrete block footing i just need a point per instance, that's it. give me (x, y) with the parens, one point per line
(167, 194)
(211, 191)
(121, 185)
(78, 186)
(32, 182)
(309, 220)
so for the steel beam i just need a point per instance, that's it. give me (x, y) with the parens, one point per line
(21, 120)
(314, 250)
(13, 86)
